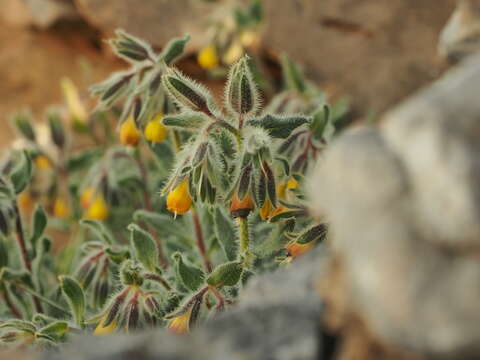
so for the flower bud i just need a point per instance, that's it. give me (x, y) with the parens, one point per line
(105, 330)
(42, 162)
(129, 134)
(87, 197)
(208, 57)
(75, 106)
(98, 209)
(296, 249)
(61, 209)
(181, 323)
(155, 131)
(241, 208)
(179, 200)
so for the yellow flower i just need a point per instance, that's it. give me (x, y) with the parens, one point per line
(129, 134)
(234, 52)
(42, 162)
(181, 323)
(98, 209)
(249, 38)
(266, 209)
(241, 208)
(179, 200)
(74, 104)
(208, 58)
(87, 196)
(105, 330)
(292, 184)
(295, 249)
(155, 131)
(60, 208)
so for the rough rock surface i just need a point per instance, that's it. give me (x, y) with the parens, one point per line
(461, 35)
(404, 207)
(277, 317)
(378, 52)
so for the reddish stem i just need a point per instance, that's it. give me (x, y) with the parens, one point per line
(200, 241)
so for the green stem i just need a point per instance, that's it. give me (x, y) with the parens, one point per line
(200, 241)
(244, 235)
(176, 141)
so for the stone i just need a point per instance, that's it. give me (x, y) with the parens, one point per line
(376, 52)
(461, 35)
(403, 203)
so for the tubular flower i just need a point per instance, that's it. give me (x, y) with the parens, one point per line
(179, 200)
(234, 52)
(87, 197)
(42, 162)
(98, 209)
(208, 58)
(181, 323)
(60, 208)
(25, 201)
(292, 184)
(129, 134)
(266, 209)
(241, 208)
(155, 131)
(105, 330)
(296, 249)
(72, 97)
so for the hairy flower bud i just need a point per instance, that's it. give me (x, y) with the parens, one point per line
(129, 134)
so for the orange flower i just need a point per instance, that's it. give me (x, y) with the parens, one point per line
(98, 209)
(60, 208)
(87, 197)
(241, 208)
(105, 330)
(296, 249)
(42, 162)
(266, 210)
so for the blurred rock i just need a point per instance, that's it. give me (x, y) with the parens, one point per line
(156, 21)
(404, 207)
(461, 35)
(40, 13)
(378, 52)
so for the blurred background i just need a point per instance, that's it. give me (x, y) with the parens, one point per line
(375, 52)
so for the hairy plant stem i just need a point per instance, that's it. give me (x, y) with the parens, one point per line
(176, 141)
(200, 241)
(20, 237)
(13, 308)
(38, 297)
(243, 235)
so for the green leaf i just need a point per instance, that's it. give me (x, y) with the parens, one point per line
(3, 253)
(294, 79)
(20, 325)
(317, 232)
(99, 229)
(174, 49)
(39, 223)
(190, 276)
(75, 297)
(144, 246)
(22, 172)
(189, 120)
(83, 159)
(42, 247)
(280, 127)
(56, 329)
(22, 122)
(57, 132)
(226, 234)
(227, 274)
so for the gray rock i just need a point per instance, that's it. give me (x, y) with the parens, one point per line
(403, 202)
(461, 35)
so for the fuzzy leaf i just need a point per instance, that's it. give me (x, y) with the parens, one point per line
(190, 276)
(22, 172)
(280, 126)
(227, 274)
(75, 297)
(145, 248)
(22, 122)
(39, 223)
(226, 234)
(99, 229)
(188, 120)
(174, 49)
(294, 79)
